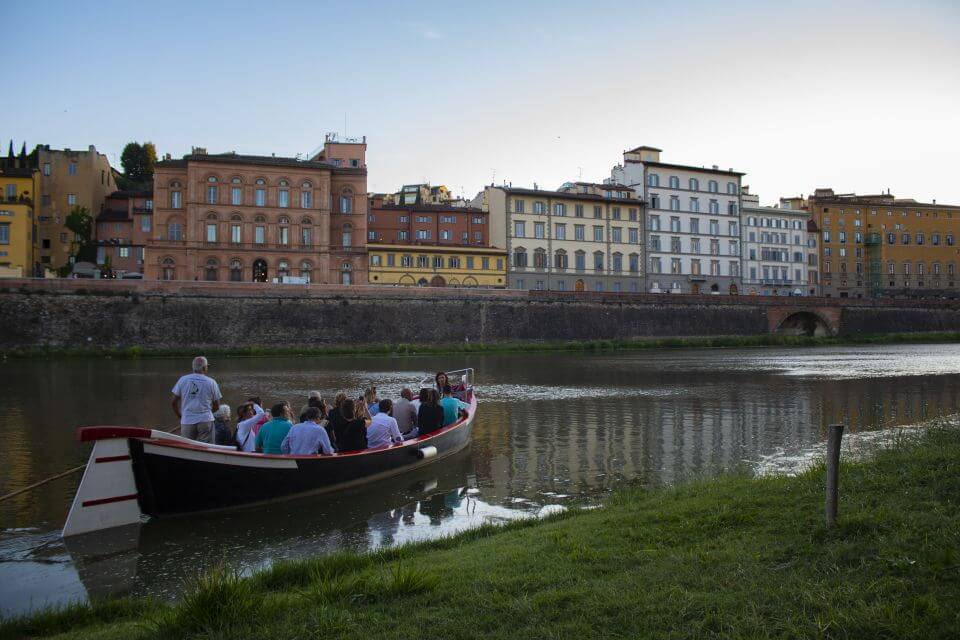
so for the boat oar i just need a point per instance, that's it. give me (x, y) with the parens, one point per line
(56, 477)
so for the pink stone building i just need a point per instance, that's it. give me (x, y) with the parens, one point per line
(122, 230)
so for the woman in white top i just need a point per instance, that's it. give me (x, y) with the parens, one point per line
(246, 419)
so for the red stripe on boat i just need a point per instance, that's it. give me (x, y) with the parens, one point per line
(87, 434)
(112, 459)
(93, 503)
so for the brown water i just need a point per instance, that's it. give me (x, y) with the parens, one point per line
(552, 431)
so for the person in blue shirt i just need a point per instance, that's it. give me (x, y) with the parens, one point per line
(271, 434)
(309, 437)
(451, 406)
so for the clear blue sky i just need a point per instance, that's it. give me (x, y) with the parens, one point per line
(861, 96)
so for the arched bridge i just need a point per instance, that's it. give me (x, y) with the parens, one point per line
(804, 321)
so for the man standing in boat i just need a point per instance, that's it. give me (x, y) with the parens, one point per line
(195, 397)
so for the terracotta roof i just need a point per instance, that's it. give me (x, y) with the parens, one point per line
(569, 195)
(441, 208)
(687, 167)
(275, 161)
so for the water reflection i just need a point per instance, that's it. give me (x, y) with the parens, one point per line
(553, 430)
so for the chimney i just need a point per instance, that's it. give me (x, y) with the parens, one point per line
(716, 168)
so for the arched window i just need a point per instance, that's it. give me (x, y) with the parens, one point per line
(694, 184)
(176, 196)
(346, 201)
(261, 181)
(345, 273)
(283, 268)
(283, 195)
(210, 272)
(236, 270)
(520, 257)
(732, 188)
(168, 269)
(713, 187)
(260, 272)
(211, 229)
(306, 196)
(260, 193)
(236, 191)
(560, 259)
(306, 270)
(306, 232)
(212, 192)
(283, 236)
(539, 258)
(347, 235)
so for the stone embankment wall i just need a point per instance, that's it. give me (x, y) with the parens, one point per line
(157, 315)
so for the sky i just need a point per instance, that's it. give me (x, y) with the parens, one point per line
(860, 96)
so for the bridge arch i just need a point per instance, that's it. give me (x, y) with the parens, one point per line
(804, 323)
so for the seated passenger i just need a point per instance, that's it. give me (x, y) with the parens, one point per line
(335, 418)
(451, 407)
(404, 412)
(442, 380)
(309, 437)
(222, 429)
(246, 418)
(370, 400)
(353, 436)
(271, 435)
(417, 401)
(257, 404)
(314, 399)
(361, 410)
(383, 429)
(430, 416)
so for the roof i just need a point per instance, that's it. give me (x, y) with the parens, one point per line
(644, 148)
(112, 215)
(569, 195)
(121, 193)
(17, 172)
(687, 167)
(607, 186)
(434, 248)
(273, 161)
(883, 200)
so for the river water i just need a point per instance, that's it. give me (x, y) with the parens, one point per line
(552, 431)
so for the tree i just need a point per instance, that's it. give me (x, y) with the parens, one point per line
(138, 161)
(80, 222)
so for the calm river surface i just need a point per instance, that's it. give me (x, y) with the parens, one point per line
(552, 431)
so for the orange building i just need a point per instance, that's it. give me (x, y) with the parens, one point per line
(879, 245)
(123, 229)
(262, 218)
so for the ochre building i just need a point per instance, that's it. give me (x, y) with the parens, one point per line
(262, 218)
(17, 221)
(437, 266)
(879, 245)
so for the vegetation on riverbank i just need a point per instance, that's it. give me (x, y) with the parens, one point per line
(498, 347)
(732, 557)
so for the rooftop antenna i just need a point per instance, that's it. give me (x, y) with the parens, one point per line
(494, 178)
(579, 174)
(344, 126)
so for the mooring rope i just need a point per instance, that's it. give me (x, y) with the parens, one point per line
(66, 473)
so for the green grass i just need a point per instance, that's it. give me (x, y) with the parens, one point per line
(497, 347)
(731, 557)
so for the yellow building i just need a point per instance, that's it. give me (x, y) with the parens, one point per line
(437, 266)
(17, 222)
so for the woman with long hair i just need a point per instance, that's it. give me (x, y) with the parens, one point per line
(353, 433)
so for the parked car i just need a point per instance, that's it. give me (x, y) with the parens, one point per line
(132, 275)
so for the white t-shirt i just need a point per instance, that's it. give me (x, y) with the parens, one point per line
(244, 435)
(197, 393)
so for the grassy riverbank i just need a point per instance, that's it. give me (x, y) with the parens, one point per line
(499, 347)
(733, 557)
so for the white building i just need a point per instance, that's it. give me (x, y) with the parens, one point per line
(692, 222)
(779, 251)
(582, 237)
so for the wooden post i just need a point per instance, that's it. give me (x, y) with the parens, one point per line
(834, 435)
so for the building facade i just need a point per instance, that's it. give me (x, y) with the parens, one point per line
(17, 221)
(123, 230)
(437, 266)
(879, 245)
(68, 179)
(582, 237)
(692, 223)
(262, 218)
(427, 224)
(780, 254)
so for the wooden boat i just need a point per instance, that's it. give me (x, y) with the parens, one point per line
(134, 472)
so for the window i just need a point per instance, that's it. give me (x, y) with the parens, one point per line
(538, 207)
(175, 231)
(732, 208)
(713, 187)
(693, 184)
(453, 262)
(283, 195)
(654, 201)
(520, 257)
(580, 260)
(598, 234)
(674, 182)
(145, 223)
(559, 209)
(391, 260)
(674, 203)
(615, 211)
(46, 168)
(346, 202)
(732, 188)
(617, 262)
(519, 229)
(236, 232)
(616, 234)
(714, 227)
(445, 234)
(694, 225)
(675, 266)
(484, 263)
(920, 238)
(633, 214)
(176, 196)
(236, 270)
(539, 258)
(695, 245)
(653, 180)
(403, 235)
(561, 232)
(675, 245)
(634, 236)
(211, 232)
(212, 193)
(236, 194)
(4, 233)
(284, 230)
(598, 261)
(634, 263)
(695, 267)
(597, 212)
(654, 223)
(71, 199)
(306, 195)
(694, 205)
(306, 236)
(260, 234)
(518, 206)
(578, 232)
(406, 260)
(306, 269)
(539, 230)
(260, 195)
(655, 243)
(560, 259)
